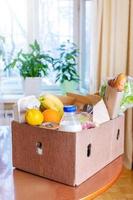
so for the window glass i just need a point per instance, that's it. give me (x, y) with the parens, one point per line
(87, 34)
(13, 28)
(50, 22)
(55, 27)
(55, 22)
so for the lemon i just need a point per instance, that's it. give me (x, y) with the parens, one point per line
(33, 117)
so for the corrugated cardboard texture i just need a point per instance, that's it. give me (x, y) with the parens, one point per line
(57, 161)
(95, 148)
(90, 99)
(70, 158)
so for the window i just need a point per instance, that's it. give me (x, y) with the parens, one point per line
(51, 22)
(86, 39)
(55, 22)
(13, 28)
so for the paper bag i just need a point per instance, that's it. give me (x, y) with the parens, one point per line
(100, 112)
(112, 100)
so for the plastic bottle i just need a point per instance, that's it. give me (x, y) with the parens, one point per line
(70, 122)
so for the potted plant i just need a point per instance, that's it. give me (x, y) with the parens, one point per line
(32, 66)
(66, 67)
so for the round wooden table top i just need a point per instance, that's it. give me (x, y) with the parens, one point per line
(24, 186)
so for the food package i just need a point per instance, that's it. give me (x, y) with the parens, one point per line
(112, 100)
(22, 105)
(95, 104)
(114, 93)
(118, 94)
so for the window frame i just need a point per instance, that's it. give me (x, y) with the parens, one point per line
(78, 34)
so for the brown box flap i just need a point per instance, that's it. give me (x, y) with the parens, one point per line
(89, 99)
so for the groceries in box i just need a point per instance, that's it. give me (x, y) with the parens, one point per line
(67, 157)
(89, 110)
(116, 95)
(70, 138)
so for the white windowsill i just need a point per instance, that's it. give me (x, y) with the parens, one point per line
(12, 90)
(13, 98)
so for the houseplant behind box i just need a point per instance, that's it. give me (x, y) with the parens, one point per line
(32, 66)
(66, 67)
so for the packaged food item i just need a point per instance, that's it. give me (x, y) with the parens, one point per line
(118, 82)
(49, 125)
(97, 113)
(86, 120)
(112, 100)
(85, 116)
(70, 121)
(88, 125)
(120, 95)
(88, 108)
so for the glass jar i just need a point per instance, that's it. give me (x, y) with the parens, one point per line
(70, 122)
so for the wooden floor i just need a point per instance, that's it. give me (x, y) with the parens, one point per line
(122, 190)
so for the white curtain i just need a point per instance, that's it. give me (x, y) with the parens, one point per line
(113, 52)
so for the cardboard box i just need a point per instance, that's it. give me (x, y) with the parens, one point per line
(69, 158)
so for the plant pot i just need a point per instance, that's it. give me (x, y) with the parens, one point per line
(68, 86)
(32, 86)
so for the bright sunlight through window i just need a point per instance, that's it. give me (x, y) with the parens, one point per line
(50, 22)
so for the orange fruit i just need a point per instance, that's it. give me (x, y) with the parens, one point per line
(34, 117)
(51, 115)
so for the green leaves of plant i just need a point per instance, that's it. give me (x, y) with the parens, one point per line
(36, 63)
(31, 64)
(35, 46)
(66, 63)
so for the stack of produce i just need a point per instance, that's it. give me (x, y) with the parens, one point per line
(47, 112)
(50, 110)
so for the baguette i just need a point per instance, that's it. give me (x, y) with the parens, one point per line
(119, 82)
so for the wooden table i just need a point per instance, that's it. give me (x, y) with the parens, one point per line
(18, 185)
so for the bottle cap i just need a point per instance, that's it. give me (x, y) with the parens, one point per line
(70, 108)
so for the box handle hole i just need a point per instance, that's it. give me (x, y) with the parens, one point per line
(89, 150)
(118, 134)
(39, 149)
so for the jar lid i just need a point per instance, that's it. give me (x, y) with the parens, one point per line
(70, 108)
